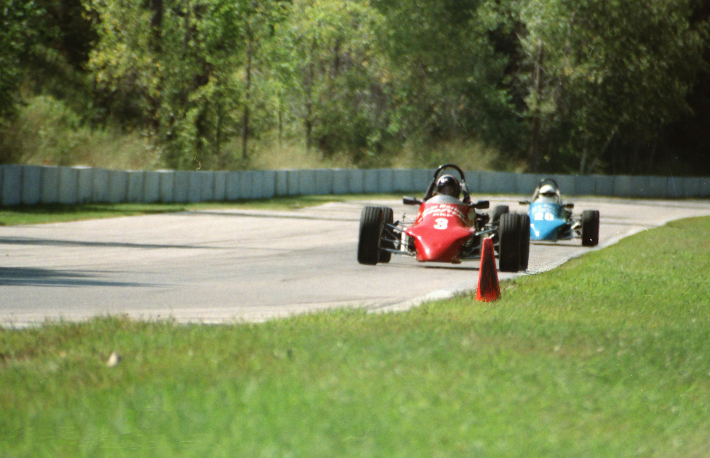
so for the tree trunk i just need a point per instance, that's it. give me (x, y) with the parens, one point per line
(582, 163)
(281, 121)
(308, 121)
(649, 166)
(156, 24)
(602, 151)
(247, 90)
(537, 122)
(218, 134)
(156, 47)
(186, 37)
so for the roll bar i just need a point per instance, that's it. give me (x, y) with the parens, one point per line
(437, 173)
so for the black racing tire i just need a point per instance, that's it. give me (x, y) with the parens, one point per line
(524, 222)
(590, 227)
(387, 218)
(509, 238)
(498, 210)
(368, 247)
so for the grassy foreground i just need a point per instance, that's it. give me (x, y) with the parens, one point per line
(606, 356)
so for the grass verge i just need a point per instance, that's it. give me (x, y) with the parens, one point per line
(605, 356)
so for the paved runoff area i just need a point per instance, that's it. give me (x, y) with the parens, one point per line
(248, 265)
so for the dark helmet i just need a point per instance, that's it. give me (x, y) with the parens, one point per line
(448, 186)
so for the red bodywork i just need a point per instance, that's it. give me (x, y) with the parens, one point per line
(440, 231)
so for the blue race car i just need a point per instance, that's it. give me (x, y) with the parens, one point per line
(551, 220)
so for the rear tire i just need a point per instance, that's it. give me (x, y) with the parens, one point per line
(509, 238)
(387, 218)
(497, 212)
(590, 227)
(524, 222)
(368, 247)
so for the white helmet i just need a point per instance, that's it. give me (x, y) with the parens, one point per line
(548, 194)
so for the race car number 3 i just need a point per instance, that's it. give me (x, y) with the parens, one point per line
(441, 223)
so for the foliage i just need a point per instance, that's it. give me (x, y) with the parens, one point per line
(47, 131)
(446, 71)
(600, 68)
(577, 86)
(21, 23)
(332, 76)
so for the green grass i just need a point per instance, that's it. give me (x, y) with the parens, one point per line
(59, 213)
(605, 356)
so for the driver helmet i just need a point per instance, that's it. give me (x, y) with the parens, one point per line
(548, 194)
(448, 186)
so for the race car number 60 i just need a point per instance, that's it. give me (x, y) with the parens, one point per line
(441, 223)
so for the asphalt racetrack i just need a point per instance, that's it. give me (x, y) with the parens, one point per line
(248, 265)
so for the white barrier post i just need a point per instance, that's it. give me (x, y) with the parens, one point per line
(167, 186)
(371, 182)
(135, 182)
(385, 179)
(68, 185)
(220, 186)
(232, 186)
(31, 184)
(356, 181)
(117, 186)
(50, 185)
(269, 184)
(151, 187)
(85, 187)
(11, 184)
(340, 181)
(323, 182)
(182, 186)
(206, 186)
(99, 188)
(307, 182)
(194, 186)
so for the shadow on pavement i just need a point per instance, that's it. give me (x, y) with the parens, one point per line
(29, 276)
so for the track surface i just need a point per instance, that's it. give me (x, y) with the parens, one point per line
(226, 266)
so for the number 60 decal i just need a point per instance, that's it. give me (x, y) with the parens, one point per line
(441, 223)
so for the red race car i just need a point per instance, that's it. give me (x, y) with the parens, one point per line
(447, 228)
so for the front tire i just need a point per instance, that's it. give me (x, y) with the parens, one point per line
(509, 238)
(387, 218)
(368, 247)
(590, 227)
(524, 222)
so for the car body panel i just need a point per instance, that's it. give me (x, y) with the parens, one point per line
(440, 231)
(548, 221)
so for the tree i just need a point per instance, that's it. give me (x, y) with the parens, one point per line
(447, 71)
(171, 64)
(329, 67)
(22, 28)
(599, 69)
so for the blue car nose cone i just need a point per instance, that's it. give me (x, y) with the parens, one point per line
(545, 221)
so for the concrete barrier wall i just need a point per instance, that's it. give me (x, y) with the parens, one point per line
(31, 184)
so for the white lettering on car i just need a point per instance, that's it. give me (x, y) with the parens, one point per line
(443, 211)
(441, 223)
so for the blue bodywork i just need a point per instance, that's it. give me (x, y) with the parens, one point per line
(549, 222)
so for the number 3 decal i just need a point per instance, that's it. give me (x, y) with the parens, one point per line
(441, 223)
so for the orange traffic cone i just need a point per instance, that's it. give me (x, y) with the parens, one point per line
(488, 289)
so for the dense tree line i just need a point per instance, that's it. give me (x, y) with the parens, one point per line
(577, 86)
